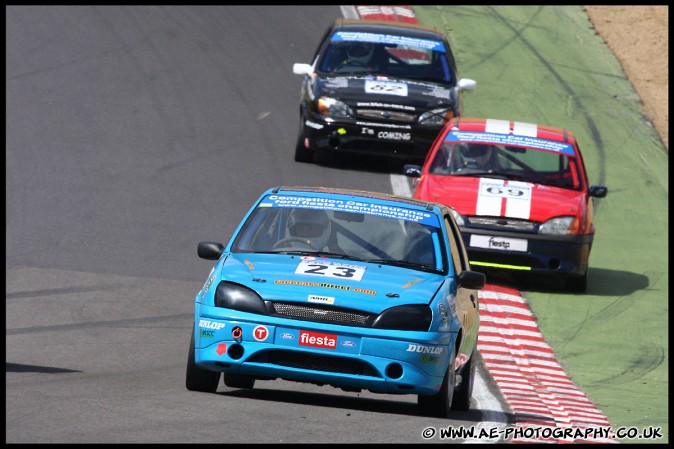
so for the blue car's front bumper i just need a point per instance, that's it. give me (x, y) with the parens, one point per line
(382, 361)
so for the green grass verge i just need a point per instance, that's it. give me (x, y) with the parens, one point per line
(547, 65)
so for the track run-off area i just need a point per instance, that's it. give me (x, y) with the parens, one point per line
(547, 406)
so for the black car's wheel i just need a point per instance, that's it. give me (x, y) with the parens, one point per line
(438, 405)
(198, 379)
(464, 391)
(239, 381)
(302, 154)
(577, 284)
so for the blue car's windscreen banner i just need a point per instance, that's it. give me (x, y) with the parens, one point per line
(405, 41)
(356, 207)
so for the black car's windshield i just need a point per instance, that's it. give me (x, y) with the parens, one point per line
(395, 56)
(409, 238)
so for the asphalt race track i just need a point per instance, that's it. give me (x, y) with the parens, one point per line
(133, 132)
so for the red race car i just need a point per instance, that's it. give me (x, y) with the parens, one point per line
(519, 192)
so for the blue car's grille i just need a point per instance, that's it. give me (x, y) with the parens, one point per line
(321, 314)
(314, 362)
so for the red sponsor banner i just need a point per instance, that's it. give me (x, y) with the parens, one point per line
(318, 340)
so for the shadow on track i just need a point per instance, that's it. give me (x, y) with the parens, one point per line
(602, 282)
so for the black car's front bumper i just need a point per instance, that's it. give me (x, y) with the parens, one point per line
(393, 140)
(532, 253)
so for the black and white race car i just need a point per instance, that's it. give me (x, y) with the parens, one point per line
(377, 88)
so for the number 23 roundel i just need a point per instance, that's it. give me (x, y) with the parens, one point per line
(316, 267)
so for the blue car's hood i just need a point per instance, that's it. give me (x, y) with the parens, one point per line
(273, 277)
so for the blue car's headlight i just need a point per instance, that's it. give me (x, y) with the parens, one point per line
(329, 107)
(238, 297)
(405, 318)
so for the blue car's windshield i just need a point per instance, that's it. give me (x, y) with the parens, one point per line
(406, 241)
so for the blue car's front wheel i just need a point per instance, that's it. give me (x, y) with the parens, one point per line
(438, 405)
(199, 379)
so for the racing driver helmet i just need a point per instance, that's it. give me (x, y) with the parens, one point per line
(476, 154)
(312, 225)
(360, 52)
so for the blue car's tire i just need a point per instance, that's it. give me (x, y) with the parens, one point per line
(199, 379)
(438, 405)
(464, 391)
(233, 380)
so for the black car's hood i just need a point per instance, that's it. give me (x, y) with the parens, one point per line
(388, 92)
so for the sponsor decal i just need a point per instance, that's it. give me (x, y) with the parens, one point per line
(207, 324)
(510, 140)
(423, 349)
(411, 283)
(321, 299)
(367, 131)
(384, 125)
(260, 333)
(313, 125)
(391, 135)
(385, 87)
(372, 104)
(442, 311)
(499, 243)
(325, 285)
(427, 358)
(348, 343)
(359, 207)
(405, 41)
(286, 336)
(318, 340)
(439, 92)
(203, 333)
(208, 283)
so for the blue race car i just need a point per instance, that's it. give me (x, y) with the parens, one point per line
(353, 289)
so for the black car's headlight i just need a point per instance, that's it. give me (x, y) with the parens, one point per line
(436, 117)
(405, 318)
(238, 297)
(332, 108)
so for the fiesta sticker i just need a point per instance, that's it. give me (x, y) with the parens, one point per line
(326, 268)
(500, 243)
(318, 340)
